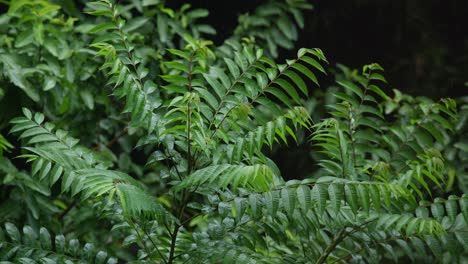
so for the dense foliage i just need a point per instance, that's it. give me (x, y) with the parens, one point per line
(136, 139)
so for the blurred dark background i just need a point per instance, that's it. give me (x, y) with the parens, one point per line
(422, 44)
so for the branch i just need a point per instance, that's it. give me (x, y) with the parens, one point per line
(112, 141)
(64, 213)
(338, 238)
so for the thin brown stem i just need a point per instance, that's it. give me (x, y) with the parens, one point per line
(113, 140)
(154, 245)
(141, 239)
(340, 237)
(64, 213)
(336, 240)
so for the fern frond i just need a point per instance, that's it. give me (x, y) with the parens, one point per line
(256, 177)
(227, 252)
(328, 195)
(136, 202)
(57, 156)
(446, 248)
(234, 103)
(352, 137)
(434, 123)
(381, 245)
(429, 167)
(364, 239)
(274, 131)
(458, 158)
(447, 211)
(32, 194)
(32, 245)
(185, 115)
(125, 68)
(334, 235)
(257, 87)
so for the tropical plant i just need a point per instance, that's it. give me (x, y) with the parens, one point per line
(178, 168)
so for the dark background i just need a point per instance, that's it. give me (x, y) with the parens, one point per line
(422, 44)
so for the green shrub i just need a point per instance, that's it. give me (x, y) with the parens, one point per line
(149, 144)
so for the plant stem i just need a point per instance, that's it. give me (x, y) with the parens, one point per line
(189, 118)
(154, 244)
(173, 242)
(338, 238)
(114, 140)
(189, 166)
(67, 210)
(142, 240)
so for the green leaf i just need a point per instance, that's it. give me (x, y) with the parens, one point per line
(103, 27)
(297, 81)
(364, 197)
(13, 232)
(335, 191)
(45, 170)
(88, 99)
(434, 131)
(29, 235)
(437, 210)
(375, 195)
(39, 118)
(351, 197)
(232, 67)
(45, 239)
(68, 178)
(177, 65)
(24, 38)
(303, 196)
(41, 138)
(216, 85)
(451, 207)
(378, 91)
(319, 196)
(289, 89)
(313, 63)
(287, 200)
(285, 26)
(351, 87)
(306, 72)
(222, 76)
(255, 205)
(162, 25)
(280, 95)
(180, 53)
(208, 97)
(272, 202)
(135, 23)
